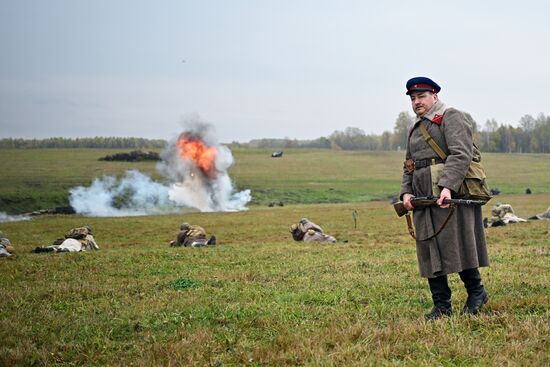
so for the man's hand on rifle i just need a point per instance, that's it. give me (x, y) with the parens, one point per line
(407, 201)
(445, 194)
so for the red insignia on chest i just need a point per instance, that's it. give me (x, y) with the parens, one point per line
(437, 119)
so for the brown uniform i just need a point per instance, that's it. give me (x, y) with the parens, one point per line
(307, 231)
(193, 236)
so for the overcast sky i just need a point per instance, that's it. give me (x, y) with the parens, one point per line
(255, 69)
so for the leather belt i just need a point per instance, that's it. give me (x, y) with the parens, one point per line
(421, 163)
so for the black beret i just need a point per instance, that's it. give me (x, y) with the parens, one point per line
(421, 83)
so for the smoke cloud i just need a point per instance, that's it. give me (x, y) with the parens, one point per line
(191, 185)
(5, 217)
(133, 194)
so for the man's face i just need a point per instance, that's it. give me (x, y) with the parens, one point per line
(422, 102)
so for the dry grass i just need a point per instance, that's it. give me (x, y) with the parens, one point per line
(259, 298)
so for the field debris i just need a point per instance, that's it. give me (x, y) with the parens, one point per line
(133, 156)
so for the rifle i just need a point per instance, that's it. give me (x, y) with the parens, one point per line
(427, 201)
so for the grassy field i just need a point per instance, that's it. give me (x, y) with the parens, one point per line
(41, 178)
(258, 297)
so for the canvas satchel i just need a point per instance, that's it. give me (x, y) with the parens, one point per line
(474, 185)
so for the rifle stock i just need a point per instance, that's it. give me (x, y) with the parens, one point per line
(424, 202)
(400, 208)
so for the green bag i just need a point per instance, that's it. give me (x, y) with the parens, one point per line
(474, 186)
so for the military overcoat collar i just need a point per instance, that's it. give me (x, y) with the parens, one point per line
(438, 109)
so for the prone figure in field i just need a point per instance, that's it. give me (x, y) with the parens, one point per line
(75, 240)
(502, 214)
(192, 236)
(542, 216)
(6, 248)
(307, 231)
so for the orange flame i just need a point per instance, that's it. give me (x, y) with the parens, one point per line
(195, 150)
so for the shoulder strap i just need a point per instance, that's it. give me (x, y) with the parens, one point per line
(431, 141)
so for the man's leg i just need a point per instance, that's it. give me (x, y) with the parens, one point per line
(441, 296)
(477, 296)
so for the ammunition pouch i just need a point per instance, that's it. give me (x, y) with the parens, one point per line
(409, 165)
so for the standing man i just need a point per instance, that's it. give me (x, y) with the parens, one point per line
(460, 247)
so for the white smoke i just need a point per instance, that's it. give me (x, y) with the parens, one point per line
(5, 217)
(133, 194)
(189, 187)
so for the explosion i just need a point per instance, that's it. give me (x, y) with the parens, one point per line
(196, 167)
(194, 149)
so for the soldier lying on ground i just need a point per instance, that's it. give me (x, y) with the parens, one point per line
(6, 249)
(77, 239)
(192, 236)
(542, 216)
(307, 231)
(503, 214)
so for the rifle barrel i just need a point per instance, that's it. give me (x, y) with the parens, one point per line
(430, 200)
(465, 201)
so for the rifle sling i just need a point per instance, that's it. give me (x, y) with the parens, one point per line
(411, 229)
(432, 142)
(409, 225)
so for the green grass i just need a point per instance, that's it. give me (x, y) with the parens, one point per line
(41, 178)
(258, 297)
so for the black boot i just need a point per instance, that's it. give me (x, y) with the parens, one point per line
(438, 312)
(38, 250)
(477, 296)
(441, 296)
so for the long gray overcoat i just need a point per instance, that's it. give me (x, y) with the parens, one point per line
(461, 244)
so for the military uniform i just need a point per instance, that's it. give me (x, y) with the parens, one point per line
(76, 240)
(542, 216)
(460, 247)
(192, 236)
(504, 214)
(6, 249)
(84, 236)
(307, 231)
(314, 236)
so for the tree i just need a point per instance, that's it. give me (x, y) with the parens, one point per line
(385, 141)
(527, 126)
(475, 131)
(542, 133)
(488, 140)
(401, 131)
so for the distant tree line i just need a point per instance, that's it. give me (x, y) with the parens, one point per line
(96, 142)
(531, 136)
